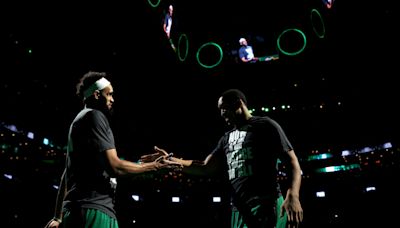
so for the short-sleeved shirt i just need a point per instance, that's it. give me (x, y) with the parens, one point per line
(89, 174)
(251, 153)
(168, 22)
(246, 52)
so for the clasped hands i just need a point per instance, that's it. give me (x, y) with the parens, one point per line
(163, 158)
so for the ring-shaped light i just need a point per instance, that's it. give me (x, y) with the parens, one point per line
(205, 45)
(322, 34)
(295, 52)
(157, 2)
(183, 36)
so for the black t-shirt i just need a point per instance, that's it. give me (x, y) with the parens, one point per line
(89, 175)
(251, 153)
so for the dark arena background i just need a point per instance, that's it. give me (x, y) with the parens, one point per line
(332, 85)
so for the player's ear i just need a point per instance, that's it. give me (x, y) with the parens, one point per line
(97, 94)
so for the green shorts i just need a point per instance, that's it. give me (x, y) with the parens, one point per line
(88, 218)
(262, 214)
(280, 221)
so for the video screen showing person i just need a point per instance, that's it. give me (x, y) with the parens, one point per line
(167, 22)
(328, 3)
(246, 53)
(212, 33)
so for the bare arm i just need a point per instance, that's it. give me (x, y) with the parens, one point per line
(244, 60)
(165, 29)
(195, 167)
(292, 204)
(62, 190)
(124, 168)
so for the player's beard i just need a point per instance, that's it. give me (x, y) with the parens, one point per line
(102, 106)
(109, 112)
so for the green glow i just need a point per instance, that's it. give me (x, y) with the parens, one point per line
(295, 52)
(265, 109)
(155, 4)
(316, 12)
(183, 36)
(319, 157)
(5, 146)
(337, 168)
(220, 55)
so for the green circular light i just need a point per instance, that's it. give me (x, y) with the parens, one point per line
(322, 34)
(157, 2)
(220, 54)
(295, 52)
(183, 36)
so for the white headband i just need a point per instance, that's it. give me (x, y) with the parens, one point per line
(98, 85)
